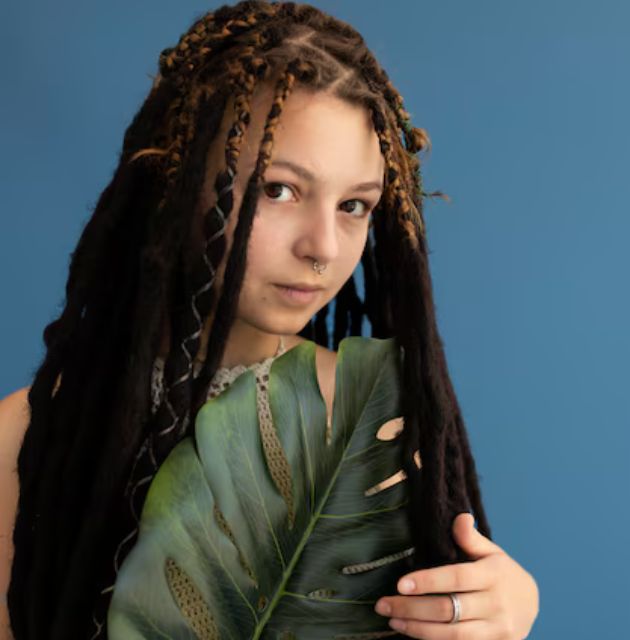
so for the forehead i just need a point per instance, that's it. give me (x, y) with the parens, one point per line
(334, 138)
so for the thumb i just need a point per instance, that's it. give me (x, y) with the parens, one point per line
(473, 542)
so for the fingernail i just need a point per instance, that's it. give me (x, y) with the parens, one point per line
(383, 607)
(398, 625)
(406, 586)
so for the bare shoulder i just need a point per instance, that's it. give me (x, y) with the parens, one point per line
(15, 405)
(14, 419)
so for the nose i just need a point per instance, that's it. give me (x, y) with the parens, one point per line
(317, 238)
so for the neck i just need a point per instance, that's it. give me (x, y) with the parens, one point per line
(247, 345)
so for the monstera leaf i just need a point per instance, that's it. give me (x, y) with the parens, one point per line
(286, 535)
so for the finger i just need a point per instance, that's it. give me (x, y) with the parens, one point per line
(475, 605)
(439, 631)
(470, 539)
(463, 576)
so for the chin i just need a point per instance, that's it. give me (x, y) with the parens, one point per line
(282, 324)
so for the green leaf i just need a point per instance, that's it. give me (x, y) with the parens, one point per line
(220, 554)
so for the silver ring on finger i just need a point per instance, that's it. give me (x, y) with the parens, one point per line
(457, 608)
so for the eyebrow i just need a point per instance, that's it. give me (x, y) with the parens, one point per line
(304, 173)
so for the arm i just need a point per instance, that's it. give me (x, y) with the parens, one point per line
(14, 420)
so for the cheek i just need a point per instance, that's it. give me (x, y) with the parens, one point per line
(350, 256)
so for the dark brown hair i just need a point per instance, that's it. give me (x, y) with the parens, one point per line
(93, 444)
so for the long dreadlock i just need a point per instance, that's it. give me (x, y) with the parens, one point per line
(93, 444)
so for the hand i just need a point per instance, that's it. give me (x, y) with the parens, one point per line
(499, 599)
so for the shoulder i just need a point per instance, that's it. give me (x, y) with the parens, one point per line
(15, 404)
(14, 420)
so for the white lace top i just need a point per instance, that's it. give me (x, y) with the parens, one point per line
(221, 380)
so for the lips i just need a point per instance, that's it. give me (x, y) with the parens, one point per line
(298, 294)
(299, 286)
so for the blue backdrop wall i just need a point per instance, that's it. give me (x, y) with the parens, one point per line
(526, 104)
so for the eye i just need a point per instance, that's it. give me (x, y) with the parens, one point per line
(270, 187)
(362, 213)
(274, 186)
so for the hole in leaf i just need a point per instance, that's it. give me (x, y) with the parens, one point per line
(397, 477)
(190, 601)
(390, 429)
(225, 528)
(262, 603)
(362, 567)
(321, 593)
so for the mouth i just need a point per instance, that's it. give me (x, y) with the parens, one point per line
(300, 286)
(298, 293)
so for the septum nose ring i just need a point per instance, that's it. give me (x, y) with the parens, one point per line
(320, 268)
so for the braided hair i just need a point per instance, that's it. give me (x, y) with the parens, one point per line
(93, 443)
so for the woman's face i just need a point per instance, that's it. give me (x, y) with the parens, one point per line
(324, 178)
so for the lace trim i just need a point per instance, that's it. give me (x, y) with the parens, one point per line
(220, 381)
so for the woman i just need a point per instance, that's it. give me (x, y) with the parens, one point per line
(230, 201)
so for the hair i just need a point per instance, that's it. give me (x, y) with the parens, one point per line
(93, 443)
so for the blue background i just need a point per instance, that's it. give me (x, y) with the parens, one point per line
(527, 107)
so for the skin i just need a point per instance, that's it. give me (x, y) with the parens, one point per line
(321, 219)
(299, 220)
